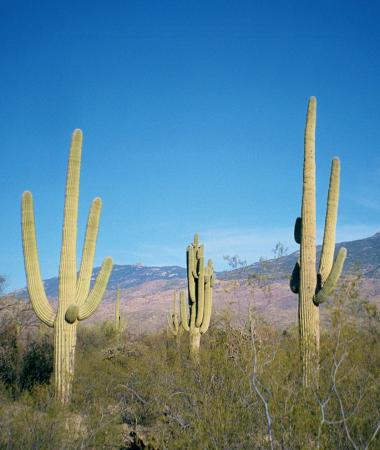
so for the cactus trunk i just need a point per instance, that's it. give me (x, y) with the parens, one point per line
(195, 343)
(75, 300)
(308, 312)
(65, 339)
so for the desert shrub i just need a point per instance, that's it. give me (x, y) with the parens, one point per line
(96, 336)
(9, 355)
(24, 362)
(37, 363)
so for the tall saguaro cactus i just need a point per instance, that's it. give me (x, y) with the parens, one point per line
(200, 285)
(75, 300)
(312, 286)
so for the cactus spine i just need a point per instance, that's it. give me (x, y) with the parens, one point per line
(75, 300)
(314, 287)
(200, 286)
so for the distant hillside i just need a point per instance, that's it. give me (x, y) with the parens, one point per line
(125, 277)
(364, 252)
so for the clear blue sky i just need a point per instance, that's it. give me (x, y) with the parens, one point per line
(193, 117)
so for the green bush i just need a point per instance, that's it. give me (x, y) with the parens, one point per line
(9, 354)
(37, 363)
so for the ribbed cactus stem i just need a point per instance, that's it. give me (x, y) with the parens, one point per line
(330, 284)
(307, 312)
(83, 285)
(75, 302)
(328, 246)
(190, 272)
(312, 287)
(91, 303)
(209, 284)
(200, 285)
(183, 311)
(37, 295)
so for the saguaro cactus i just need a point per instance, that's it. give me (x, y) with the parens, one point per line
(75, 300)
(120, 321)
(312, 286)
(200, 285)
(173, 319)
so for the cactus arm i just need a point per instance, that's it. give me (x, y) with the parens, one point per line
(190, 272)
(332, 279)
(298, 230)
(184, 319)
(295, 279)
(175, 316)
(170, 324)
(328, 245)
(208, 298)
(212, 280)
(40, 303)
(83, 284)
(201, 288)
(193, 315)
(191, 277)
(175, 322)
(96, 294)
(67, 267)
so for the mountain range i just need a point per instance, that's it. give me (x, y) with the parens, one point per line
(362, 253)
(147, 292)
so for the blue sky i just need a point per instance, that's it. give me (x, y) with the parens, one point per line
(193, 116)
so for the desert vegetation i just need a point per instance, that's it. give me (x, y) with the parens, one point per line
(246, 391)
